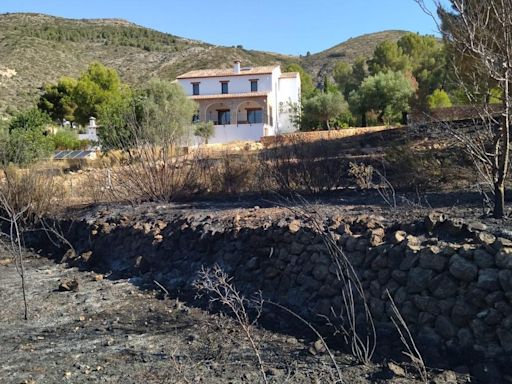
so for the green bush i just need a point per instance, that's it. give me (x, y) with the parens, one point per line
(28, 139)
(66, 139)
(4, 124)
(438, 99)
(204, 130)
(386, 93)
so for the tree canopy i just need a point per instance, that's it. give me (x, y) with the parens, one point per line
(344, 77)
(389, 56)
(386, 93)
(324, 107)
(159, 113)
(32, 119)
(57, 100)
(164, 112)
(204, 130)
(422, 57)
(77, 100)
(438, 99)
(97, 88)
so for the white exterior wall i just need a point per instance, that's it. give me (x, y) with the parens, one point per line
(273, 97)
(241, 132)
(236, 84)
(91, 134)
(289, 92)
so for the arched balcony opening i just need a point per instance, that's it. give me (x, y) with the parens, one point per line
(252, 112)
(220, 113)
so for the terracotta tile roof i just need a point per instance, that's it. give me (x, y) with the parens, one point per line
(227, 72)
(286, 75)
(230, 95)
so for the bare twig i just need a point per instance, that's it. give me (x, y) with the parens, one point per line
(320, 337)
(12, 218)
(179, 368)
(218, 284)
(362, 339)
(407, 340)
(162, 287)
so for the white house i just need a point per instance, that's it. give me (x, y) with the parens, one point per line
(244, 103)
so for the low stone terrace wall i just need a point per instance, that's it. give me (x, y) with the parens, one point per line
(305, 137)
(452, 281)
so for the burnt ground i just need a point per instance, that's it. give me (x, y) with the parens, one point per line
(124, 331)
(110, 331)
(255, 209)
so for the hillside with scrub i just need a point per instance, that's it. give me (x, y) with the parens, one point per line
(36, 49)
(322, 63)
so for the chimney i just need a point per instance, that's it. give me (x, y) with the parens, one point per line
(92, 122)
(236, 67)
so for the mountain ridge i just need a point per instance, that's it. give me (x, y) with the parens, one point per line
(36, 48)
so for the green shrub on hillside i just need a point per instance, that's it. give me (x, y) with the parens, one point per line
(116, 35)
(4, 126)
(27, 140)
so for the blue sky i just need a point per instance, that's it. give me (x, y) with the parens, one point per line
(285, 26)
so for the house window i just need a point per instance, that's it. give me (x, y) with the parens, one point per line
(195, 89)
(224, 117)
(255, 116)
(195, 118)
(224, 87)
(254, 85)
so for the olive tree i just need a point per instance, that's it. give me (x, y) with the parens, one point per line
(151, 129)
(386, 93)
(324, 107)
(204, 130)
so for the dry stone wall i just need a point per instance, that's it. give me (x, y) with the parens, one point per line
(451, 281)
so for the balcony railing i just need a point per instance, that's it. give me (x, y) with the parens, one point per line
(240, 122)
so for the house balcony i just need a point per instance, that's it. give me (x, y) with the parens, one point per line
(240, 118)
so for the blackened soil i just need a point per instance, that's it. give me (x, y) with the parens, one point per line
(110, 331)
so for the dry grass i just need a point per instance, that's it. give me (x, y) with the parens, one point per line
(37, 191)
(297, 166)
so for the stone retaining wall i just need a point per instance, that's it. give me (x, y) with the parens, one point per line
(452, 281)
(304, 137)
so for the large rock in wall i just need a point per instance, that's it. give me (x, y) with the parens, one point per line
(452, 282)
